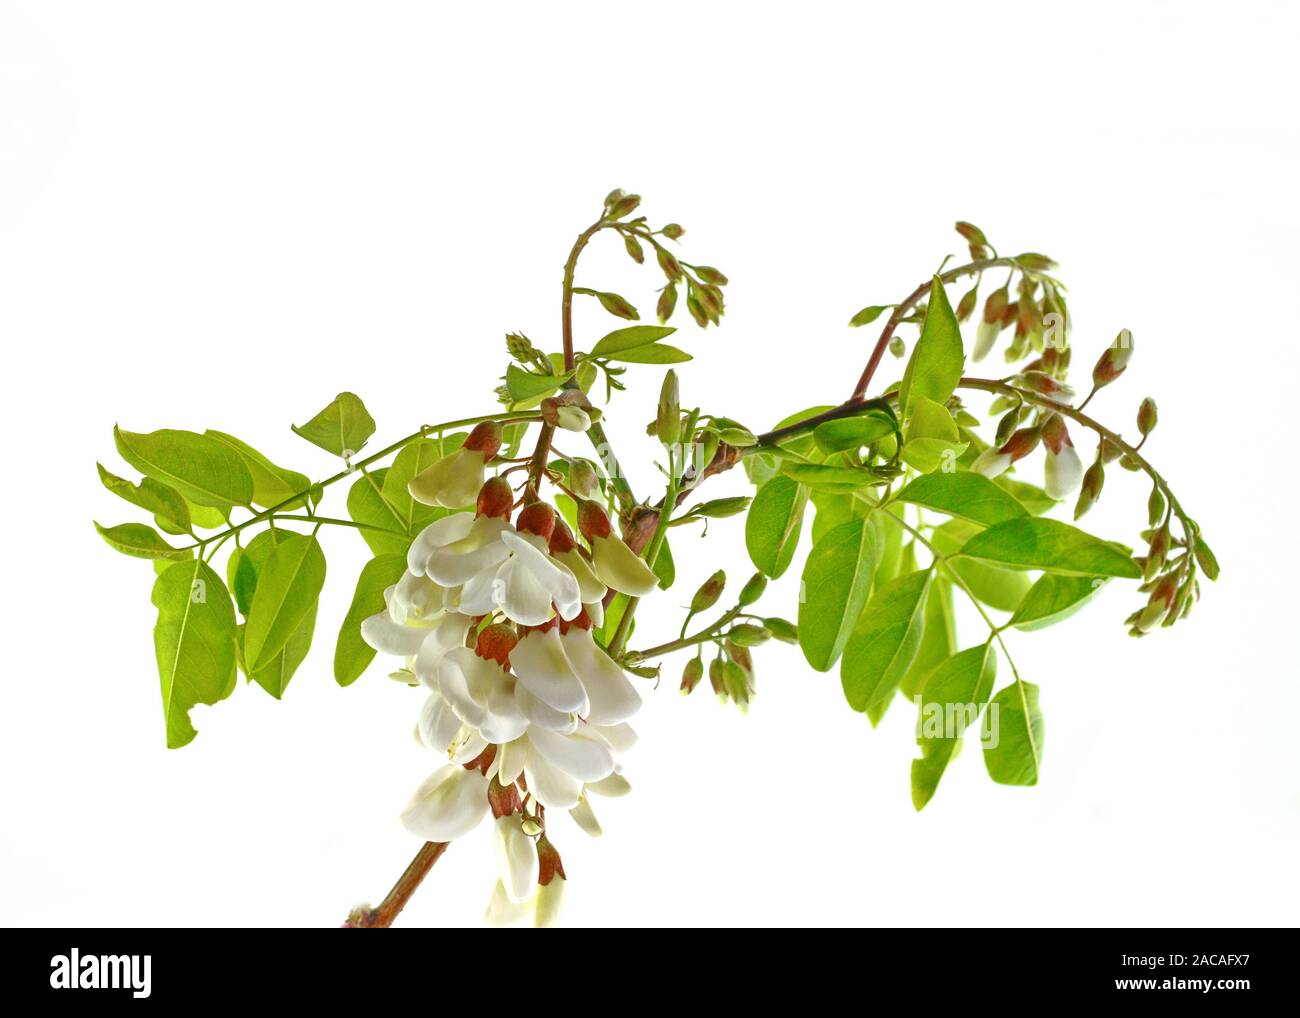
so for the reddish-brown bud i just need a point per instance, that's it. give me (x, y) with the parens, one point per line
(537, 518)
(1021, 443)
(495, 644)
(995, 306)
(495, 498)
(1055, 434)
(504, 800)
(691, 675)
(1114, 359)
(549, 863)
(593, 521)
(485, 438)
(1147, 416)
(561, 538)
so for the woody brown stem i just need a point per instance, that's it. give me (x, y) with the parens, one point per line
(382, 917)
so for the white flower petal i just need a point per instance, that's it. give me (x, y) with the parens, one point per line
(585, 758)
(557, 578)
(595, 612)
(447, 633)
(991, 463)
(501, 911)
(585, 817)
(454, 481)
(553, 788)
(541, 666)
(546, 912)
(1062, 472)
(435, 535)
(621, 738)
(385, 635)
(418, 596)
(590, 588)
(510, 760)
(611, 696)
(447, 805)
(518, 857)
(539, 713)
(618, 566)
(469, 744)
(481, 548)
(612, 787)
(478, 595)
(521, 595)
(438, 723)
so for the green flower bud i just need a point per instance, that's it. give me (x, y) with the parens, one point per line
(721, 508)
(1090, 489)
(782, 629)
(691, 675)
(672, 231)
(753, 590)
(1147, 416)
(583, 479)
(710, 590)
(1114, 359)
(748, 636)
(668, 423)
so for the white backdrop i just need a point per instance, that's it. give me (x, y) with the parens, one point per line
(221, 216)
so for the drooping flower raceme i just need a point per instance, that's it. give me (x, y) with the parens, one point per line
(494, 621)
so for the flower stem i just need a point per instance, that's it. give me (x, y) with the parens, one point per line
(382, 917)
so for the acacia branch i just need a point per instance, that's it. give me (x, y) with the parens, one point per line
(382, 917)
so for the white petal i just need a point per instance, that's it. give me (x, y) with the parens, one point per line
(541, 666)
(501, 911)
(595, 612)
(463, 681)
(418, 596)
(438, 723)
(552, 787)
(448, 804)
(618, 566)
(481, 548)
(549, 899)
(991, 463)
(1063, 472)
(511, 757)
(478, 595)
(468, 745)
(585, 817)
(521, 595)
(590, 587)
(435, 535)
(539, 713)
(610, 694)
(613, 787)
(586, 759)
(454, 481)
(620, 737)
(382, 633)
(518, 857)
(556, 577)
(447, 632)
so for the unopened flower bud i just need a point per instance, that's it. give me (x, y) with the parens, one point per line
(782, 629)
(668, 423)
(1114, 359)
(995, 306)
(1147, 416)
(1090, 490)
(1158, 605)
(582, 479)
(572, 418)
(897, 347)
(1007, 426)
(740, 438)
(718, 680)
(485, 439)
(753, 589)
(1044, 384)
(1021, 443)
(520, 347)
(593, 521)
(1155, 505)
(748, 636)
(710, 590)
(672, 231)
(536, 518)
(966, 306)
(691, 675)
(721, 508)
(495, 498)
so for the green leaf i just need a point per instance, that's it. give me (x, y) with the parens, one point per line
(664, 567)
(932, 439)
(288, 587)
(1031, 496)
(884, 644)
(206, 517)
(341, 428)
(655, 353)
(773, 525)
(245, 565)
(852, 432)
(275, 674)
(1055, 598)
(963, 494)
(954, 693)
(836, 582)
(1030, 542)
(869, 314)
(995, 586)
(937, 360)
(194, 639)
(352, 655)
(821, 477)
(833, 510)
(367, 504)
(622, 340)
(201, 469)
(1015, 757)
(272, 485)
(938, 638)
(140, 541)
(169, 509)
(525, 385)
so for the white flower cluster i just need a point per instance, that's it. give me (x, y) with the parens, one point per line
(495, 621)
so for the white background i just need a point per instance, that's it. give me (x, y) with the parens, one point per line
(220, 216)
